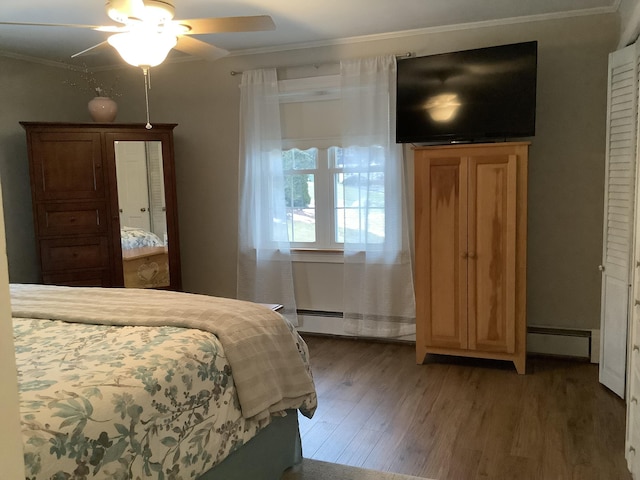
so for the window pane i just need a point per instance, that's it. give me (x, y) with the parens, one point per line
(336, 157)
(296, 159)
(300, 203)
(359, 207)
(360, 225)
(360, 158)
(376, 189)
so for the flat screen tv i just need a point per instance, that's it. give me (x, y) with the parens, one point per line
(486, 94)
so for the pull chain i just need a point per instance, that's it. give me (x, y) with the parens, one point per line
(147, 87)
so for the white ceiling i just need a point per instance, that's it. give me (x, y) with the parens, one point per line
(308, 22)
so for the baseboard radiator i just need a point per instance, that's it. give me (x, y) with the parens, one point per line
(561, 342)
(564, 342)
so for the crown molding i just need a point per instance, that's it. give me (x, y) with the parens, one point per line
(431, 30)
(38, 60)
(357, 39)
(57, 64)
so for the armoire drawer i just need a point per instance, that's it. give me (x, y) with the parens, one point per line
(79, 278)
(72, 218)
(74, 253)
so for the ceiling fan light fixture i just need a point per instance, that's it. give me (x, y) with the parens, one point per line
(152, 11)
(157, 11)
(120, 10)
(143, 49)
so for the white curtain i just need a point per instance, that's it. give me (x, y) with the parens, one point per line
(378, 280)
(264, 259)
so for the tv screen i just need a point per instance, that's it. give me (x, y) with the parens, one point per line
(486, 94)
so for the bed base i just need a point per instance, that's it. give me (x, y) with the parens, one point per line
(266, 456)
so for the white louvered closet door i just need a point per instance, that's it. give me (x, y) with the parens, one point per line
(618, 216)
(633, 357)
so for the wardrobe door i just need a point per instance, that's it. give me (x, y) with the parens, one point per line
(620, 172)
(143, 199)
(69, 193)
(492, 252)
(441, 246)
(67, 166)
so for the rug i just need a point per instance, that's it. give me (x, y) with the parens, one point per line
(317, 470)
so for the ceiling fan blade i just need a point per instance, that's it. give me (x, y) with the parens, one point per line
(112, 28)
(199, 48)
(86, 50)
(255, 23)
(99, 28)
(71, 25)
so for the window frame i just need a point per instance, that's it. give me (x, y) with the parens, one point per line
(310, 89)
(325, 208)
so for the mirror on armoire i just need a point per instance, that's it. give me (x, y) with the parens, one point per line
(142, 209)
(144, 212)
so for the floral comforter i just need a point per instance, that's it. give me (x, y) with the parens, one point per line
(125, 402)
(136, 237)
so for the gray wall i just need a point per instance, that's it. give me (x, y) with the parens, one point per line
(630, 21)
(35, 92)
(565, 175)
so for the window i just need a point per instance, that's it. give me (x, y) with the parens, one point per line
(325, 189)
(326, 185)
(300, 176)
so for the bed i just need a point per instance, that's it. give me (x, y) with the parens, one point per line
(131, 383)
(145, 259)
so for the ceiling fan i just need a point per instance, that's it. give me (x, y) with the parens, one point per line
(148, 31)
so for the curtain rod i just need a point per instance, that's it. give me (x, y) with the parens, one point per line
(316, 65)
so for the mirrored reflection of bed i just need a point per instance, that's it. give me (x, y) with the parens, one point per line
(145, 258)
(141, 383)
(142, 204)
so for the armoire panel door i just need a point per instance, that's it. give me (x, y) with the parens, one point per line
(67, 166)
(492, 252)
(442, 238)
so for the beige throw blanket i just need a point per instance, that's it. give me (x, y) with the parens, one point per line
(265, 353)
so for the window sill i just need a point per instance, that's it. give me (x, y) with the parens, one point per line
(317, 255)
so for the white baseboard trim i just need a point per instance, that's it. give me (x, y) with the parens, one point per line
(595, 346)
(560, 342)
(584, 344)
(322, 325)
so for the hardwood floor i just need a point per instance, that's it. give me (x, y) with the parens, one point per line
(461, 419)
